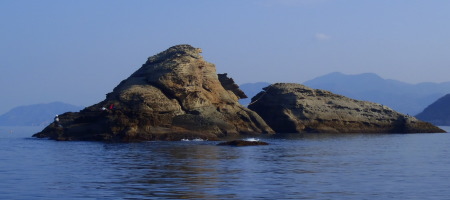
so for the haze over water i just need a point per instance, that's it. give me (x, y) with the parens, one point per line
(312, 166)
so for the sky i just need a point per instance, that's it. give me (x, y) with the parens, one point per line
(76, 51)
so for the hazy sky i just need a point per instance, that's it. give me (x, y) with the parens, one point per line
(76, 51)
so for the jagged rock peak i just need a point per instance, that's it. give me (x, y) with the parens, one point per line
(229, 84)
(176, 51)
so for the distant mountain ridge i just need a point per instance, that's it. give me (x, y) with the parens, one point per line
(437, 113)
(35, 115)
(400, 96)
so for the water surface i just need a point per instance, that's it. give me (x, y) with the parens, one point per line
(312, 166)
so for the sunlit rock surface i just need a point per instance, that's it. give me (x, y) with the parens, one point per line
(295, 108)
(175, 95)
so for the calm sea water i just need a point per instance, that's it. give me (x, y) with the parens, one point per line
(314, 166)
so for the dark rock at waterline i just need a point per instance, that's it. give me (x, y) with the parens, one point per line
(240, 143)
(295, 108)
(175, 95)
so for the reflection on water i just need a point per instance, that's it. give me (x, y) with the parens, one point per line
(308, 166)
(160, 169)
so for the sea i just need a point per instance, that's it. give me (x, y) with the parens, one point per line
(292, 166)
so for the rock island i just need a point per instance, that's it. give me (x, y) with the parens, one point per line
(178, 95)
(175, 95)
(295, 108)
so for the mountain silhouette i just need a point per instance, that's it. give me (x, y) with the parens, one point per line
(438, 112)
(36, 114)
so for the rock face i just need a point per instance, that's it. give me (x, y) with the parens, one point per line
(295, 108)
(438, 112)
(176, 94)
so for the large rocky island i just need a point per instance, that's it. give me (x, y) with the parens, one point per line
(177, 95)
(295, 108)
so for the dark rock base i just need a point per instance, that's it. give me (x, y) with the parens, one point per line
(240, 143)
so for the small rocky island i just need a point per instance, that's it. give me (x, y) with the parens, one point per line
(178, 95)
(295, 108)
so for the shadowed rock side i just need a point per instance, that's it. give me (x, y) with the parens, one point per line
(174, 95)
(295, 108)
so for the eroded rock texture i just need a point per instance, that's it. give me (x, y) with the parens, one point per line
(176, 94)
(295, 108)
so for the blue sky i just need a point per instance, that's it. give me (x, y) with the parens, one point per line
(76, 51)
